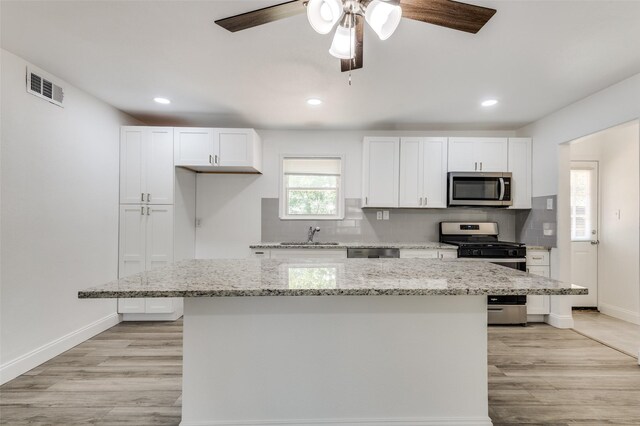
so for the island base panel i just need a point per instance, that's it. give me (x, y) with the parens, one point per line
(335, 360)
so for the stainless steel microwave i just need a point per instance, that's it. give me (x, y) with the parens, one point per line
(479, 189)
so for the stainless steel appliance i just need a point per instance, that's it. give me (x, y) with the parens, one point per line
(479, 189)
(479, 241)
(373, 253)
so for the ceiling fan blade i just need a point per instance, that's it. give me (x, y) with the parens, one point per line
(447, 13)
(355, 62)
(262, 16)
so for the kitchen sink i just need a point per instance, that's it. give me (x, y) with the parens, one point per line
(316, 243)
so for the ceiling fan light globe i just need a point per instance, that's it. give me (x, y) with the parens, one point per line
(343, 45)
(383, 17)
(323, 14)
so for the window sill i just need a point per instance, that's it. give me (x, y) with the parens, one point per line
(311, 218)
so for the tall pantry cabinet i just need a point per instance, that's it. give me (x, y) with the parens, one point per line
(157, 215)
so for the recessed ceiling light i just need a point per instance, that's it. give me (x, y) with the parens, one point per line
(489, 102)
(314, 101)
(163, 101)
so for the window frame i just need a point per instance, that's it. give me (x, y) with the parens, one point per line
(283, 189)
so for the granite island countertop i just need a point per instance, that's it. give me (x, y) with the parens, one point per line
(335, 277)
(427, 245)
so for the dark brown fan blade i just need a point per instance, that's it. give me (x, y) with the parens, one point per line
(447, 13)
(262, 16)
(355, 62)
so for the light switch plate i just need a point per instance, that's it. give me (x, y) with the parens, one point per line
(549, 203)
(379, 215)
(385, 215)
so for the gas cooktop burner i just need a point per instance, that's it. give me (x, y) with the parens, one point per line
(494, 244)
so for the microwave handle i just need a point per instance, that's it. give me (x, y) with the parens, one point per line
(502, 189)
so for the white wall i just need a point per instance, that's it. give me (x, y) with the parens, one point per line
(229, 206)
(59, 218)
(618, 152)
(615, 105)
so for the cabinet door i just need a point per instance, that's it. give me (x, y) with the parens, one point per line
(461, 155)
(159, 165)
(193, 146)
(132, 240)
(381, 163)
(159, 248)
(520, 168)
(411, 172)
(491, 154)
(131, 306)
(131, 175)
(434, 175)
(233, 147)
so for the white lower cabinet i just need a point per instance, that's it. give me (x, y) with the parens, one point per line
(538, 264)
(146, 242)
(428, 254)
(300, 253)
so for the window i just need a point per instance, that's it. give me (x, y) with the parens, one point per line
(581, 204)
(311, 188)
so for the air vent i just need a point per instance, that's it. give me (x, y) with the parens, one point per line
(43, 88)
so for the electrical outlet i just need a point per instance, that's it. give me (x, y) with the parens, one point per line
(549, 203)
(385, 215)
(379, 215)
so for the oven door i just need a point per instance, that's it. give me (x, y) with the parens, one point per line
(479, 189)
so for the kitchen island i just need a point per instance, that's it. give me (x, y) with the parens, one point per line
(409, 347)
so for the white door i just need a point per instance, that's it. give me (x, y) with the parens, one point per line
(233, 147)
(492, 154)
(411, 172)
(381, 172)
(461, 155)
(520, 168)
(159, 233)
(584, 230)
(434, 172)
(193, 146)
(131, 251)
(159, 165)
(131, 175)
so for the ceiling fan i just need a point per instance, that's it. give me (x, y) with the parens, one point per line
(382, 15)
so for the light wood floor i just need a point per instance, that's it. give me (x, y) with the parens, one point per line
(131, 375)
(621, 335)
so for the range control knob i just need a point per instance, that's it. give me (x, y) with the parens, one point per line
(513, 253)
(476, 252)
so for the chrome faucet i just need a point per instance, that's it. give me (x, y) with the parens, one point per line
(311, 233)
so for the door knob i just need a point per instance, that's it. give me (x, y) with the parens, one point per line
(595, 243)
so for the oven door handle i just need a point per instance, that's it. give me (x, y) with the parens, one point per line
(502, 189)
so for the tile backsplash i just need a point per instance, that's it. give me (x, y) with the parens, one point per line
(361, 225)
(538, 226)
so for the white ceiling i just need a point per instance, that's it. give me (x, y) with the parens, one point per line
(534, 56)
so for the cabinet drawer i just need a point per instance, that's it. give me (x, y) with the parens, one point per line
(448, 254)
(261, 253)
(543, 271)
(537, 258)
(418, 254)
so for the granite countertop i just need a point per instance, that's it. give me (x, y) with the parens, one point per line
(335, 277)
(427, 245)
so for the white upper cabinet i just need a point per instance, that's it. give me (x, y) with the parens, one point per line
(520, 168)
(478, 154)
(146, 165)
(218, 150)
(423, 172)
(193, 146)
(381, 172)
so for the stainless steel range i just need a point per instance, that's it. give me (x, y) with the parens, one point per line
(479, 241)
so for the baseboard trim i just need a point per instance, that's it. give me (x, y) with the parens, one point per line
(151, 317)
(560, 321)
(431, 421)
(620, 313)
(12, 369)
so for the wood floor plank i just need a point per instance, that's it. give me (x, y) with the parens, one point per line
(131, 375)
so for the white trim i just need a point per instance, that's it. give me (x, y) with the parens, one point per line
(559, 321)
(436, 421)
(620, 313)
(153, 317)
(26, 362)
(341, 188)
